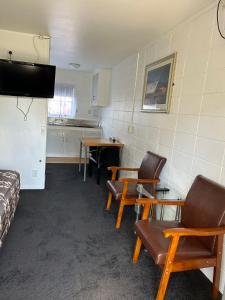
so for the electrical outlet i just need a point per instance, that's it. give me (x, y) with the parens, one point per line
(131, 129)
(34, 173)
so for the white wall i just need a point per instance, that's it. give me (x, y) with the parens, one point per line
(23, 143)
(192, 135)
(82, 81)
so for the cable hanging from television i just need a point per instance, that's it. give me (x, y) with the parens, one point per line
(25, 114)
(35, 47)
(10, 55)
(220, 25)
(39, 37)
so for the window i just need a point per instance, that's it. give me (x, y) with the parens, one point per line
(63, 105)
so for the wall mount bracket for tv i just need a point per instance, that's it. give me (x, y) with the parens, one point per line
(10, 55)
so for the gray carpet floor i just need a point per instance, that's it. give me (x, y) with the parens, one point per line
(62, 245)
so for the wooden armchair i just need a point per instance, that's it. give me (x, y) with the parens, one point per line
(195, 242)
(125, 189)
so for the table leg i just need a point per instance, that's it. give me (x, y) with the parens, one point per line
(162, 208)
(80, 156)
(85, 162)
(152, 213)
(162, 213)
(137, 207)
(177, 214)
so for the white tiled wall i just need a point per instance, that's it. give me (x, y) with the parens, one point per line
(192, 135)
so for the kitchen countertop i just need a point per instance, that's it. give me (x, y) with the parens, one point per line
(74, 123)
(77, 126)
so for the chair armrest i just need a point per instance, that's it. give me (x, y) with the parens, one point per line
(122, 169)
(116, 169)
(211, 231)
(144, 201)
(138, 180)
(171, 202)
(147, 206)
(160, 202)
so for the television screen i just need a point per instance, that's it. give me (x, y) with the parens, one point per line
(26, 79)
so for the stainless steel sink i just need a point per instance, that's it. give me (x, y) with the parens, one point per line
(74, 123)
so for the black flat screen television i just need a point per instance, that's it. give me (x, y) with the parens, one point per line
(26, 79)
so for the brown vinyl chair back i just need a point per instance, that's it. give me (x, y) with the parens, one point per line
(205, 207)
(151, 167)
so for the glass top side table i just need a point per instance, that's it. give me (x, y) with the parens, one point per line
(165, 193)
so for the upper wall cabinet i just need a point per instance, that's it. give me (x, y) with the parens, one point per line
(101, 87)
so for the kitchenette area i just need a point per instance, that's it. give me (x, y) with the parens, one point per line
(64, 135)
(74, 113)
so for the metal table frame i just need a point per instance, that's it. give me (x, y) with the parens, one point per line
(161, 195)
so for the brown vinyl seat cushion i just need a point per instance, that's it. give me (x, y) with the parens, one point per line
(204, 207)
(116, 188)
(150, 168)
(151, 234)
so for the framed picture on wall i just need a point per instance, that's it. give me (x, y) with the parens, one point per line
(158, 84)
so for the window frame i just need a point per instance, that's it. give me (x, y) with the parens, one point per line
(62, 92)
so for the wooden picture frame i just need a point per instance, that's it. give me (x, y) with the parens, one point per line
(158, 84)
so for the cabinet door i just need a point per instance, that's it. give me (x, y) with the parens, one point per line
(55, 142)
(72, 143)
(94, 89)
(101, 82)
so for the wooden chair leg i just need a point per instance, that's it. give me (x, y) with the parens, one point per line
(109, 201)
(217, 268)
(137, 250)
(215, 288)
(163, 284)
(167, 268)
(120, 215)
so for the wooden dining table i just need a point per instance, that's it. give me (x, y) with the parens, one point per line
(95, 142)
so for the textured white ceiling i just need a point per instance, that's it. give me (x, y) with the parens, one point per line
(96, 33)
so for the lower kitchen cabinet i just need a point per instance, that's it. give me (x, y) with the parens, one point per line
(64, 141)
